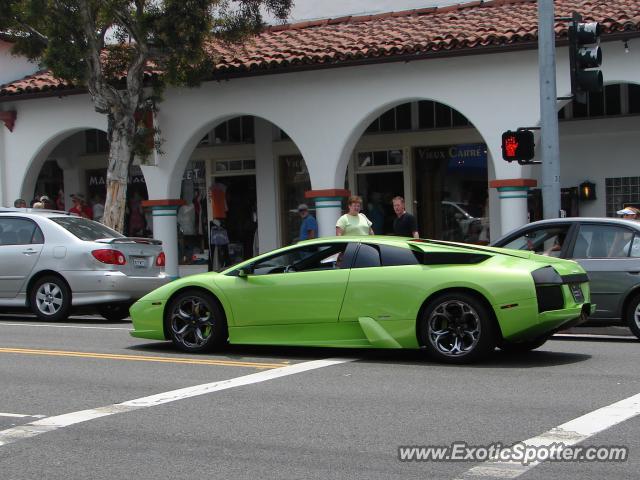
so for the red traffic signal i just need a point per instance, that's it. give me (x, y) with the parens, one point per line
(518, 145)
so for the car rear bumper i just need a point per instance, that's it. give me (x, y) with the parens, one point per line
(93, 287)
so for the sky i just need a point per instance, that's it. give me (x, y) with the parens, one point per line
(315, 9)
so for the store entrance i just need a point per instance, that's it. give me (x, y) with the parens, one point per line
(377, 190)
(233, 205)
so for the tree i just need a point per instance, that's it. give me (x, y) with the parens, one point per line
(125, 52)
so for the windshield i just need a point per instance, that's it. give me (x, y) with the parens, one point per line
(86, 229)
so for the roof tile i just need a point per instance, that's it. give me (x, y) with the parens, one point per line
(341, 40)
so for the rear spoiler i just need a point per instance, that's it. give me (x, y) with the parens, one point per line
(147, 241)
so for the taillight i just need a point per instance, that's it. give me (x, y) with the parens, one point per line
(160, 260)
(111, 257)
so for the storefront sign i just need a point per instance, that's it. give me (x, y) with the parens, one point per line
(471, 155)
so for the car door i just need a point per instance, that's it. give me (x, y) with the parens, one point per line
(301, 285)
(21, 244)
(381, 284)
(604, 251)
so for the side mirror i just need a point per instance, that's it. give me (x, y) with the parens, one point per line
(245, 271)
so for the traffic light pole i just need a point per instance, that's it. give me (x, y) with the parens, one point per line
(550, 142)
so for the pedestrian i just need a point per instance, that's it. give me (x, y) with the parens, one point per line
(629, 213)
(46, 202)
(80, 206)
(309, 225)
(353, 222)
(404, 224)
(20, 203)
(38, 205)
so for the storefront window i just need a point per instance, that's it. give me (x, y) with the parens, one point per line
(193, 241)
(294, 181)
(137, 221)
(50, 183)
(451, 192)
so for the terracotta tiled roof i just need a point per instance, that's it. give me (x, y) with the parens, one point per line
(462, 28)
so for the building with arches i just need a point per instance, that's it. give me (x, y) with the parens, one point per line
(406, 103)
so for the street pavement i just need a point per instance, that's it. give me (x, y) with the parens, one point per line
(342, 420)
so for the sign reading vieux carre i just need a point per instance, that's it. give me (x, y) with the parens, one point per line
(462, 156)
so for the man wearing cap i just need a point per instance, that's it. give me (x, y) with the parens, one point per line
(309, 226)
(629, 213)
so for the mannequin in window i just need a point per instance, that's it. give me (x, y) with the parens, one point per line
(219, 200)
(187, 225)
(218, 246)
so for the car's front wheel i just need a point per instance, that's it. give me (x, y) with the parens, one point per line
(195, 322)
(457, 328)
(114, 312)
(50, 299)
(632, 315)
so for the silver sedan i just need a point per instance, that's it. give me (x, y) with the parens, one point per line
(53, 261)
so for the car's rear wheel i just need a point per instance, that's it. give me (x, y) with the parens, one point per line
(632, 315)
(457, 328)
(114, 312)
(195, 322)
(50, 299)
(522, 347)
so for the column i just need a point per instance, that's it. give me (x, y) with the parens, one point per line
(513, 202)
(165, 228)
(267, 199)
(328, 208)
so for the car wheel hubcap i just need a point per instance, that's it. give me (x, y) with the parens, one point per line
(636, 316)
(192, 322)
(49, 298)
(454, 328)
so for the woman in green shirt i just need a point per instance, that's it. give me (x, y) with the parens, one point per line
(354, 222)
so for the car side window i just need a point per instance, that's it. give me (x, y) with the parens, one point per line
(303, 259)
(544, 240)
(367, 256)
(19, 231)
(605, 241)
(392, 256)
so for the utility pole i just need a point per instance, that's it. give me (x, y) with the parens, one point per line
(550, 143)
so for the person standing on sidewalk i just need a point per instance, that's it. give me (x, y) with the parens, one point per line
(354, 222)
(404, 225)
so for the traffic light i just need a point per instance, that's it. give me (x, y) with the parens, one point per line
(518, 146)
(585, 56)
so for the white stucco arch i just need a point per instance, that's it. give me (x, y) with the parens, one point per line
(47, 123)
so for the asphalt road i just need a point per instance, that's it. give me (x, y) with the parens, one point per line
(343, 420)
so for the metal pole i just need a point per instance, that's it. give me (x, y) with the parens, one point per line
(550, 143)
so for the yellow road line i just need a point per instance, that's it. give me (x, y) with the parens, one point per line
(142, 358)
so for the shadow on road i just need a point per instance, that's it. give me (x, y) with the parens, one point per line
(405, 357)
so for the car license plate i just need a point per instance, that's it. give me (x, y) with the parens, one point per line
(576, 291)
(139, 262)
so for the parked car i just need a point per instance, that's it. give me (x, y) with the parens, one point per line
(52, 261)
(458, 301)
(607, 248)
(458, 225)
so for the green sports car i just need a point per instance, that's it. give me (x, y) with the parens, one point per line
(456, 301)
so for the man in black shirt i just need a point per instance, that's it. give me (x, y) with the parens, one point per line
(404, 224)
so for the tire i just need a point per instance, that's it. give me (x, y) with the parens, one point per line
(50, 299)
(632, 315)
(195, 322)
(114, 312)
(522, 347)
(457, 328)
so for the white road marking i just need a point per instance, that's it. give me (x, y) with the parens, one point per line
(63, 326)
(60, 421)
(594, 335)
(567, 434)
(20, 415)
